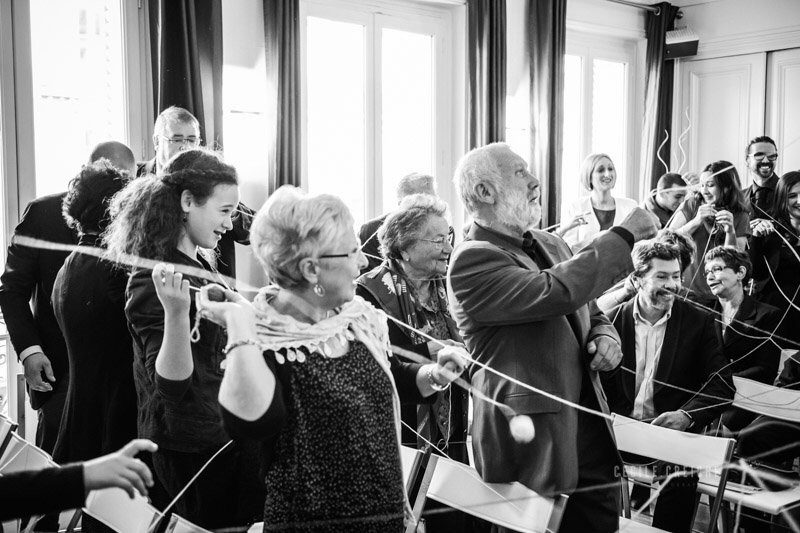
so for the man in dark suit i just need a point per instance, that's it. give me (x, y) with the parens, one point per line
(414, 183)
(25, 289)
(526, 309)
(760, 155)
(673, 373)
(176, 130)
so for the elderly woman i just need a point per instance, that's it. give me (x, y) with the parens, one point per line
(89, 303)
(714, 216)
(309, 372)
(409, 287)
(742, 323)
(597, 212)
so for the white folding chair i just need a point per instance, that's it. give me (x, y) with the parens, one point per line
(178, 524)
(700, 452)
(775, 402)
(7, 427)
(510, 505)
(114, 508)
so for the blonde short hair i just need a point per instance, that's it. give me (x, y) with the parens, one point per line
(587, 167)
(293, 225)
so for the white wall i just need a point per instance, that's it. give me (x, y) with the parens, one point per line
(734, 27)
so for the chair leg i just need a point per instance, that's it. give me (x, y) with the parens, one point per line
(626, 496)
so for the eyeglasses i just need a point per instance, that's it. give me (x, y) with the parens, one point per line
(347, 255)
(441, 240)
(759, 156)
(184, 141)
(716, 269)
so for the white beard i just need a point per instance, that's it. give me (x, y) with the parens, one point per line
(514, 211)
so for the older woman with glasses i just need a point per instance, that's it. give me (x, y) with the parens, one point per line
(309, 372)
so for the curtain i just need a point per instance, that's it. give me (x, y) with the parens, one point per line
(187, 68)
(546, 40)
(659, 76)
(486, 51)
(281, 34)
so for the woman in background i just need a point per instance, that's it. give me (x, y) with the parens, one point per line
(89, 303)
(597, 212)
(169, 218)
(714, 216)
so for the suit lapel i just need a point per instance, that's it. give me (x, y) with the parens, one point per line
(628, 333)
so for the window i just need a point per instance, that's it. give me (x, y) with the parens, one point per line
(377, 99)
(598, 113)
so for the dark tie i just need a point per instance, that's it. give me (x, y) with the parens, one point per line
(761, 200)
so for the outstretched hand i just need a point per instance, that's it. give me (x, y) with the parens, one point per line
(120, 469)
(607, 353)
(171, 288)
(224, 306)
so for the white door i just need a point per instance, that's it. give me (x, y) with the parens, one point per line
(724, 100)
(783, 109)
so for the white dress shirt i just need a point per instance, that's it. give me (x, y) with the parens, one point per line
(649, 339)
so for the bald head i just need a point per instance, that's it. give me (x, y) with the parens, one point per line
(120, 156)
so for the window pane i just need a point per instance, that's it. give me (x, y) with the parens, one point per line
(570, 188)
(336, 106)
(407, 108)
(608, 115)
(77, 84)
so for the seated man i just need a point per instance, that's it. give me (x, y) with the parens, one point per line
(672, 370)
(670, 192)
(748, 352)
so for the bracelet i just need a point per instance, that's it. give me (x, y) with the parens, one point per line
(236, 344)
(432, 382)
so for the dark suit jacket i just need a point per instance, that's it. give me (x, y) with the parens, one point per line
(29, 277)
(368, 234)
(691, 358)
(226, 249)
(533, 325)
(45, 491)
(755, 357)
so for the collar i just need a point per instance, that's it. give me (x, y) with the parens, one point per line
(520, 242)
(639, 318)
(771, 183)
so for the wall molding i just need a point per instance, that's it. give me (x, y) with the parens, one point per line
(748, 43)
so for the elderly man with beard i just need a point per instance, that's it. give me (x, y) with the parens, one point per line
(526, 309)
(673, 373)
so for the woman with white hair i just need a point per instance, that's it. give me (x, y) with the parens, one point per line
(599, 211)
(309, 372)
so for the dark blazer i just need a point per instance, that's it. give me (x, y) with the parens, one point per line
(533, 325)
(755, 357)
(368, 234)
(691, 358)
(226, 249)
(41, 492)
(28, 278)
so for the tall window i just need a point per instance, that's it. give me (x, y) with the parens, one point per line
(598, 99)
(78, 84)
(377, 99)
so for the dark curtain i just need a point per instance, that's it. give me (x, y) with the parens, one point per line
(546, 38)
(281, 34)
(486, 42)
(659, 75)
(186, 40)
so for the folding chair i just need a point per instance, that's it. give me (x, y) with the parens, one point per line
(114, 508)
(18, 456)
(775, 402)
(178, 524)
(690, 450)
(7, 427)
(510, 505)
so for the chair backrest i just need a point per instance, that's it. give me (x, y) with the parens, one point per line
(678, 447)
(114, 508)
(21, 455)
(178, 524)
(764, 399)
(511, 505)
(7, 427)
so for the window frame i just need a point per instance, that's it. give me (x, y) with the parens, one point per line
(444, 22)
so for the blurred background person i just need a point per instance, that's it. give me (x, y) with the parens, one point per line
(664, 201)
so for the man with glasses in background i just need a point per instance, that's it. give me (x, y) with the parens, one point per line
(176, 130)
(761, 155)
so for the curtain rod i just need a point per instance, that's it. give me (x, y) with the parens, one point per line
(652, 9)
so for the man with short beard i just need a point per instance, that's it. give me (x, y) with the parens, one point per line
(761, 155)
(526, 309)
(673, 370)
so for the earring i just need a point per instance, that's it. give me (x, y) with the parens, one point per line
(319, 290)
(185, 217)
